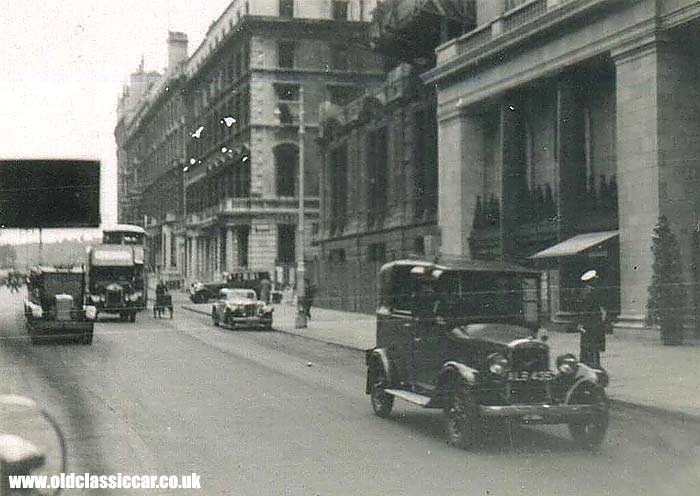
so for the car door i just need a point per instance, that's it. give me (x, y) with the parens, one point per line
(397, 332)
(429, 347)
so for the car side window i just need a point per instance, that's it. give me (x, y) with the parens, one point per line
(402, 291)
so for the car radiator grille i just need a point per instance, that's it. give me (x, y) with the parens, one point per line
(63, 309)
(113, 299)
(531, 391)
(250, 310)
(530, 359)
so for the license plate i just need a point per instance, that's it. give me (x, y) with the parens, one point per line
(524, 376)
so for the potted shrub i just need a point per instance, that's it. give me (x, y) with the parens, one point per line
(667, 291)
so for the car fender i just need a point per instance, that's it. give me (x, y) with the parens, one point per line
(450, 371)
(580, 383)
(378, 358)
(596, 376)
(452, 368)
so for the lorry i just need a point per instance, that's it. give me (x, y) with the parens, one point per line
(56, 304)
(117, 280)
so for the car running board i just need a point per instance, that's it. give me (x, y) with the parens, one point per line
(416, 398)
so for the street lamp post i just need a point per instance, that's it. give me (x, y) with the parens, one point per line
(300, 321)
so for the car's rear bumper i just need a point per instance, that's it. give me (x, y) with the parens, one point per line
(58, 327)
(543, 414)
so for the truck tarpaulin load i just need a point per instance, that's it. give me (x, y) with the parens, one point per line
(117, 280)
(55, 306)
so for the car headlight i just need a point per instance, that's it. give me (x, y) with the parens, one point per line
(567, 364)
(498, 364)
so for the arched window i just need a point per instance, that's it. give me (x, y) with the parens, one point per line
(286, 159)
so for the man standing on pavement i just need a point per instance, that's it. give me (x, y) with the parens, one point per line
(592, 316)
(265, 289)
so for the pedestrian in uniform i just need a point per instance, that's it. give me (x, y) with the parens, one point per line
(592, 317)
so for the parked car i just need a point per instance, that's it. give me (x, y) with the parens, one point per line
(465, 338)
(202, 292)
(241, 307)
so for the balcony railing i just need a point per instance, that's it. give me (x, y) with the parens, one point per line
(524, 13)
(511, 20)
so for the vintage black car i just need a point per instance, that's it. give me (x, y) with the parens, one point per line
(202, 292)
(465, 338)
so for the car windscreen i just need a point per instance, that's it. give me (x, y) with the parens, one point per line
(71, 284)
(487, 295)
(106, 275)
(240, 295)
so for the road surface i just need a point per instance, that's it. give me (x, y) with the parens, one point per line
(266, 413)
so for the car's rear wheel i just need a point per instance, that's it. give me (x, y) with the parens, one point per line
(382, 402)
(463, 424)
(591, 432)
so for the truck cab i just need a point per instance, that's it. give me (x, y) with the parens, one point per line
(55, 305)
(117, 280)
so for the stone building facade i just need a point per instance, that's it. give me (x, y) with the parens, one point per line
(151, 139)
(379, 188)
(379, 181)
(566, 127)
(209, 151)
(264, 66)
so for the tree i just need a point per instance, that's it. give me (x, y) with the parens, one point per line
(667, 291)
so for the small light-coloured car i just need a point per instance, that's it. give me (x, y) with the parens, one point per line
(242, 308)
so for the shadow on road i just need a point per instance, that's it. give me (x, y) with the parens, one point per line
(47, 374)
(499, 438)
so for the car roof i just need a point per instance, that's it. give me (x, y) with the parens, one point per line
(49, 269)
(237, 290)
(461, 265)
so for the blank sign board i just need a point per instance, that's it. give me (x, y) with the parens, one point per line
(49, 193)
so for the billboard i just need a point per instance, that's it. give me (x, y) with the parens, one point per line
(45, 193)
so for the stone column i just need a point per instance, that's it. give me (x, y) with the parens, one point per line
(230, 255)
(460, 179)
(263, 245)
(658, 115)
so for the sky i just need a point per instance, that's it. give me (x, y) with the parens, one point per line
(63, 65)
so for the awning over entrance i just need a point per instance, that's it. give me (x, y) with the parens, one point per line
(576, 245)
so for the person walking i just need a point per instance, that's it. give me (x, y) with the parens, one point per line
(310, 291)
(592, 317)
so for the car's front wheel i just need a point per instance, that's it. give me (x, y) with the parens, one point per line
(382, 402)
(463, 424)
(591, 432)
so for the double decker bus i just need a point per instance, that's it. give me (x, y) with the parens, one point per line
(116, 272)
(124, 234)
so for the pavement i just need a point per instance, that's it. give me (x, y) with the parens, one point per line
(643, 373)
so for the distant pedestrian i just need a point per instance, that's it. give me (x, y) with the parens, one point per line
(592, 318)
(308, 300)
(265, 289)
